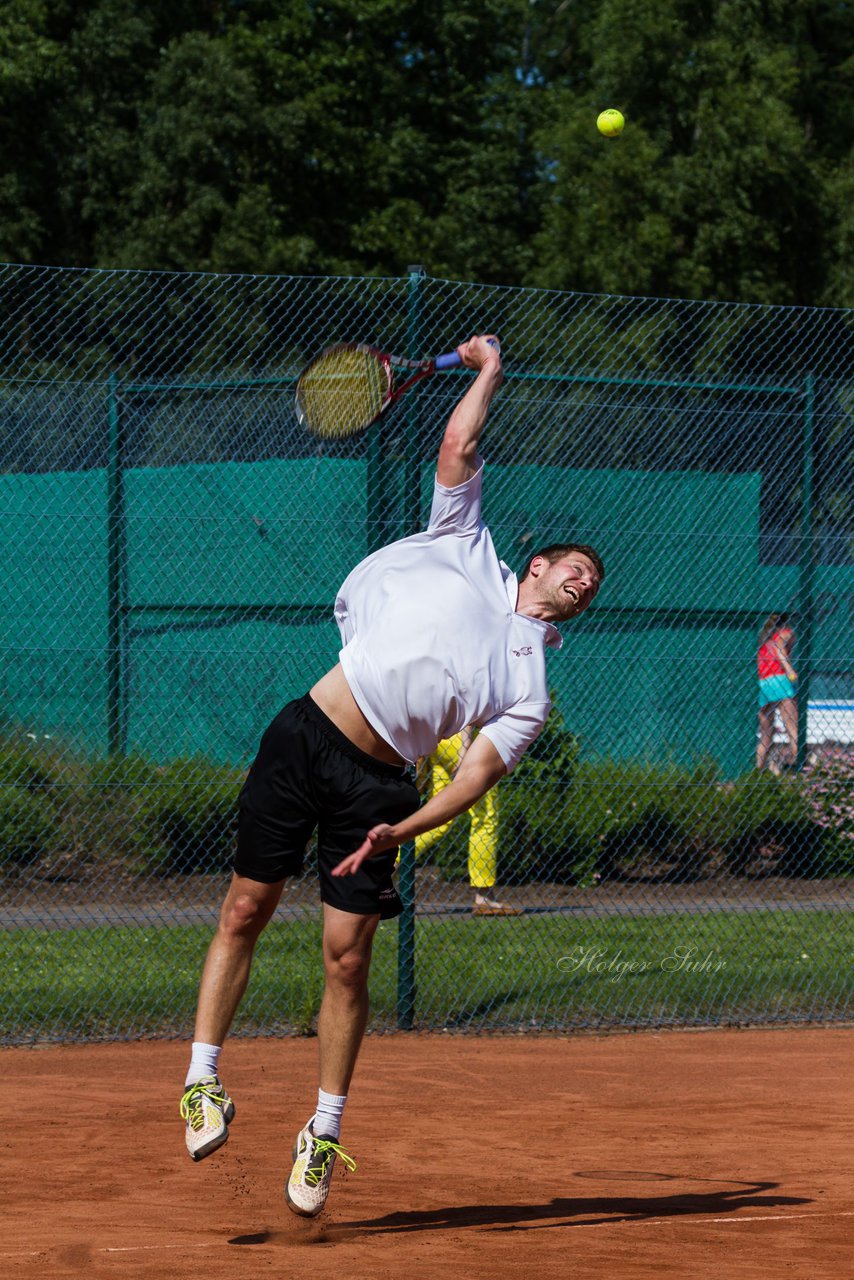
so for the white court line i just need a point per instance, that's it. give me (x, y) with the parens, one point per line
(130, 1248)
(632, 1222)
(781, 1217)
(137, 1248)
(687, 1220)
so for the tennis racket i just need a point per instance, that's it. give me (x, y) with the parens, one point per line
(349, 386)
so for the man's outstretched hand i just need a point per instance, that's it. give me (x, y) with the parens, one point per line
(377, 840)
(483, 349)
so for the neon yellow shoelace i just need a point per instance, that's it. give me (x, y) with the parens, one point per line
(326, 1149)
(191, 1105)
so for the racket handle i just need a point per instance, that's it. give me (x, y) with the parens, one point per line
(452, 360)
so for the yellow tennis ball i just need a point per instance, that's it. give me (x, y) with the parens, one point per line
(610, 122)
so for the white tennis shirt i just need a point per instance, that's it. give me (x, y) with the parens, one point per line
(432, 640)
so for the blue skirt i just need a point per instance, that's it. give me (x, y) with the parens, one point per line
(774, 689)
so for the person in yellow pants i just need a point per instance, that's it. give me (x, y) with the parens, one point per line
(483, 831)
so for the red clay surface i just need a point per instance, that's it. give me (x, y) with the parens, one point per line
(689, 1154)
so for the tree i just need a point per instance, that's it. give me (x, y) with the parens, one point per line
(716, 188)
(30, 71)
(359, 136)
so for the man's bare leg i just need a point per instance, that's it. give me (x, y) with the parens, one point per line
(247, 908)
(206, 1107)
(347, 944)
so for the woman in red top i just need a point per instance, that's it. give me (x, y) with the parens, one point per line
(777, 687)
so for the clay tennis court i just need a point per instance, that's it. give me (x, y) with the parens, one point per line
(690, 1154)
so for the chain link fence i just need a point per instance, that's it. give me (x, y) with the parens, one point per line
(171, 547)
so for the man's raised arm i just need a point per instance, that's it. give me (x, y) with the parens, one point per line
(458, 453)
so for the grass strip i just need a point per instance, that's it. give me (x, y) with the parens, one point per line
(529, 972)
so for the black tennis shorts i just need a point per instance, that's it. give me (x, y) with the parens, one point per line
(308, 774)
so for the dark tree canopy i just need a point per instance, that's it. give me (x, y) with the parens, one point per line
(359, 136)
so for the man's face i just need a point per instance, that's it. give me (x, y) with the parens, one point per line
(568, 586)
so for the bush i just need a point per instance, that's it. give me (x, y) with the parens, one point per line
(551, 760)
(29, 827)
(119, 776)
(34, 793)
(827, 784)
(36, 766)
(537, 841)
(618, 820)
(574, 823)
(646, 821)
(765, 819)
(560, 821)
(186, 817)
(25, 764)
(570, 823)
(118, 788)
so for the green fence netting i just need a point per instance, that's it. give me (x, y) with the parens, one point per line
(170, 546)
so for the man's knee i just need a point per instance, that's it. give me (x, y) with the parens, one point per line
(245, 914)
(347, 967)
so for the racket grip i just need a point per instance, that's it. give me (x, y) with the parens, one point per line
(452, 360)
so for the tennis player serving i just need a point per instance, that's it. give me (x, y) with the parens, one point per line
(437, 633)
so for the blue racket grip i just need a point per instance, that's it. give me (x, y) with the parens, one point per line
(452, 360)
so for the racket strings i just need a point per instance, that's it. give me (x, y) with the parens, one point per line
(342, 392)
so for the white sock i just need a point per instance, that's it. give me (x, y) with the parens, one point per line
(203, 1062)
(326, 1121)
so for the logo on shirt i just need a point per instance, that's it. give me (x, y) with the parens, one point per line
(523, 652)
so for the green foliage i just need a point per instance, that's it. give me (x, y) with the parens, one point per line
(29, 828)
(28, 764)
(35, 792)
(450, 852)
(716, 190)
(552, 758)
(117, 789)
(622, 819)
(32, 796)
(630, 821)
(828, 792)
(535, 842)
(186, 818)
(560, 820)
(766, 818)
(345, 139)
(173, 819)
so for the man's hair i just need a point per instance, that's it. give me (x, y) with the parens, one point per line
(557, 550)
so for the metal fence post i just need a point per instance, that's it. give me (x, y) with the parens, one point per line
(374, 493)
(406, 939)
(411, 519)
(116, 539)
(411, 506)
(806, 577)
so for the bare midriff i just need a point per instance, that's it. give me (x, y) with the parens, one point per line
(332, 694)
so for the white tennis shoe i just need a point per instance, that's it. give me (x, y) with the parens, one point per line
(484, 905)
(314, 1159)
(208, 1111)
